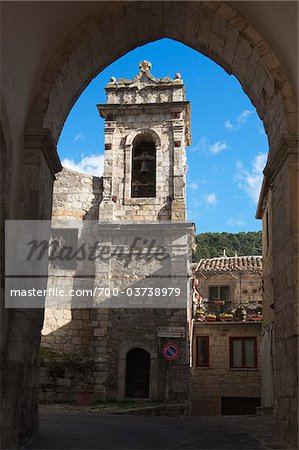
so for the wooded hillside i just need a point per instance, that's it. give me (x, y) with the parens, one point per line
(211, 245)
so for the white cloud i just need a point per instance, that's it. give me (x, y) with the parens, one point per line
(195, 202)
(250, 181)
(240, 120)
(91, 165)
(228, 125)
(200, 146)
(193, 186)
(79, 138)
(217, 147)
(235, 222)
(193, 214)
(204, 145)
(219, 168)
(211, 199)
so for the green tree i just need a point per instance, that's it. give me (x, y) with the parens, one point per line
(212, 245)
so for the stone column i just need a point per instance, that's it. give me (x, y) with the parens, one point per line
(40, 165)
(106, 209)
(178, 205)
(20, 361)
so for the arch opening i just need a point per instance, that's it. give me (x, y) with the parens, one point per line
(219, 33)
(137, 373)
(143, 180)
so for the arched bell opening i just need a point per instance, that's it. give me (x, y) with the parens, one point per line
(143, 181)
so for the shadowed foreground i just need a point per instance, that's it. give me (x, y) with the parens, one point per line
(91, 430)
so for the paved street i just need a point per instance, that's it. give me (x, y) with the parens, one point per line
(90, 430)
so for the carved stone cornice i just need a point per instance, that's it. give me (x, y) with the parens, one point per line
(41, 140)
(263, 199)
(287, 145)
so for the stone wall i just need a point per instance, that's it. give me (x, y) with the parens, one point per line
(76, 196)
(56, 386)
(284, 203)
(67, 330)
(21, 333)
(278, 201)
(133, 328)
(208, 385)
(268, 348)
(108, 334)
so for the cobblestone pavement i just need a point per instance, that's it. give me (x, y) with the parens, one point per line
(77, 429)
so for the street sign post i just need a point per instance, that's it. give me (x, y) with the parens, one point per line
(177, 332)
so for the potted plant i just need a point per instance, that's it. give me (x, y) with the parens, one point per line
(255, 317)
(200, 315)
(83, 368)
(226, 317)
(211, 317)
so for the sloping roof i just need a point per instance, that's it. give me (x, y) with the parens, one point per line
(230, 264)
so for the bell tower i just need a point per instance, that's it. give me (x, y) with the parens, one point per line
(147, 129)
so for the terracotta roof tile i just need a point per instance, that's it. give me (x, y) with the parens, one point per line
(230, 264)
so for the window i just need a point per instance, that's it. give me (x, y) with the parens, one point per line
(143, 170)
(219, 293)
(202, 351)
(243, 353)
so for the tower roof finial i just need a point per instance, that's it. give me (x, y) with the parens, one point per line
(145, 66)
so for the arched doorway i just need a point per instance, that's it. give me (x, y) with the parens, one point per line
(137, 373)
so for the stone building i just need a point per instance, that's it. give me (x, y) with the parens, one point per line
(226, 338)
(141, 194)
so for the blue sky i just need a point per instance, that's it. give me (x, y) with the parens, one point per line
(229, 144)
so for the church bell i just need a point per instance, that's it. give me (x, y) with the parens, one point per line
(144, 167)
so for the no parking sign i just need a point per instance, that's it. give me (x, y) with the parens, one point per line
(171, 351)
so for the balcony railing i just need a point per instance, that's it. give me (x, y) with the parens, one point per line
(227, 311)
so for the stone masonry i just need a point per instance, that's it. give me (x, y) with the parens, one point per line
(210, 385)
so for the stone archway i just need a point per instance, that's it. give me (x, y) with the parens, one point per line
(122, 369)
(215, 29)
(218, 31)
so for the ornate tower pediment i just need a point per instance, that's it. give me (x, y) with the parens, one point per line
(144, 78)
